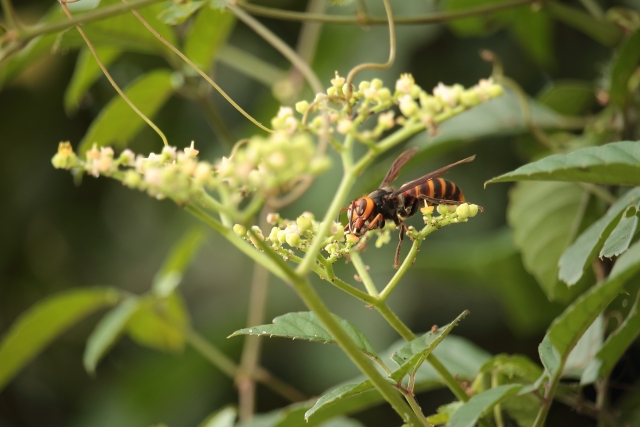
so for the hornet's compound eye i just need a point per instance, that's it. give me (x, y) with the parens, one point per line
(361, 206)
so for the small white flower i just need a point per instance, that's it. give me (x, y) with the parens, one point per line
(191, 151)
(405, 83)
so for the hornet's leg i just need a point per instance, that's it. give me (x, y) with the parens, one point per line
(396, 261)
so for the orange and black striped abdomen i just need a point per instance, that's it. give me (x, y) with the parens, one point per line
(436, 188)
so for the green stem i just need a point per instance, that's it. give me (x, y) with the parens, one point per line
(431, 18)
(363, 273)
(281, 46)
(323, 231)
(548, 396)
(593, 8)
(497, 409)
(400, 272)
(10, 15)
(236, 241)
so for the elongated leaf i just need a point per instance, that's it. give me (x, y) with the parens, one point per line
(107, 332)
(160, 323)
(469, 413)
(620, 238)
(208, 33)
(35, 329)
(542, 216)
(411, 355)
(602, 31)
(568, 96)
(86, 73)
(306, 326)
(623, 69)
(176, 262)
(337, 394)
(567, 329)
(444, 413)
(225, 417)
(534, 32)
(617, 163)
(614, 347)
(180, 12)
(585, 349)
(584, 249)
(117, 122)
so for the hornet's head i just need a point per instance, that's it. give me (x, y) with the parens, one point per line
(358, 213)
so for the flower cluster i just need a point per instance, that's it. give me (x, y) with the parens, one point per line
(171, 173)
(289, 235)
(415, 104)
(272, 164)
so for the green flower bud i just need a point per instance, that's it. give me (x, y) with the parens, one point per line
(352, 239)
(293, 239)
(364, 85)
(383, 239)
(282, 236)
(463, 211)
(473, 210)
(495, 90)
(302, 106)
(332, 248)
(376, 83)
(240, 230)
(469, 98)
(384, 94)
(273, 236)
(319, 165)
(443, 209)
(304, 223)
(332, 91)
(132, 179)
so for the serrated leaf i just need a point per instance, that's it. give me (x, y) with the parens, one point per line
(305, 325)
(106, 333)
(160, 324)
(585, 350)
(620, 238)
(176, 262)
(337, 394)
(469, 413)
(603, 31)
(584, 249)
(567, 329)
(86, 73)
(209, 31)
(180, 12)
(569, 97)
(542, 216)
(225, 417)
(614, 347)
(411, 355)
(623, 68)
(617, 163)
(444, 413)
(117, 123)
(36, 328)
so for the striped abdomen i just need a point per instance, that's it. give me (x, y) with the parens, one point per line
(436, 188)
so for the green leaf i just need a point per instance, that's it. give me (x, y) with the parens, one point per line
(473, 25)
(306, 326)
(225, 417)
(513, 367)
(176, 262)
(334, 396)
(160, 323)
(444, 413)
(106, 333)
(567, 329)
(209, 31)
(86, 73)
(623, 68)
(585, 350)
(411, 355)
(469, 413)
(620, 238)
(614, 347)
(569, 97)
(542, 216)
(584, 249)
(117, 123)
(617, 163)
(534, 31)
(35, 329)
(177, 13)
(602, 31)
